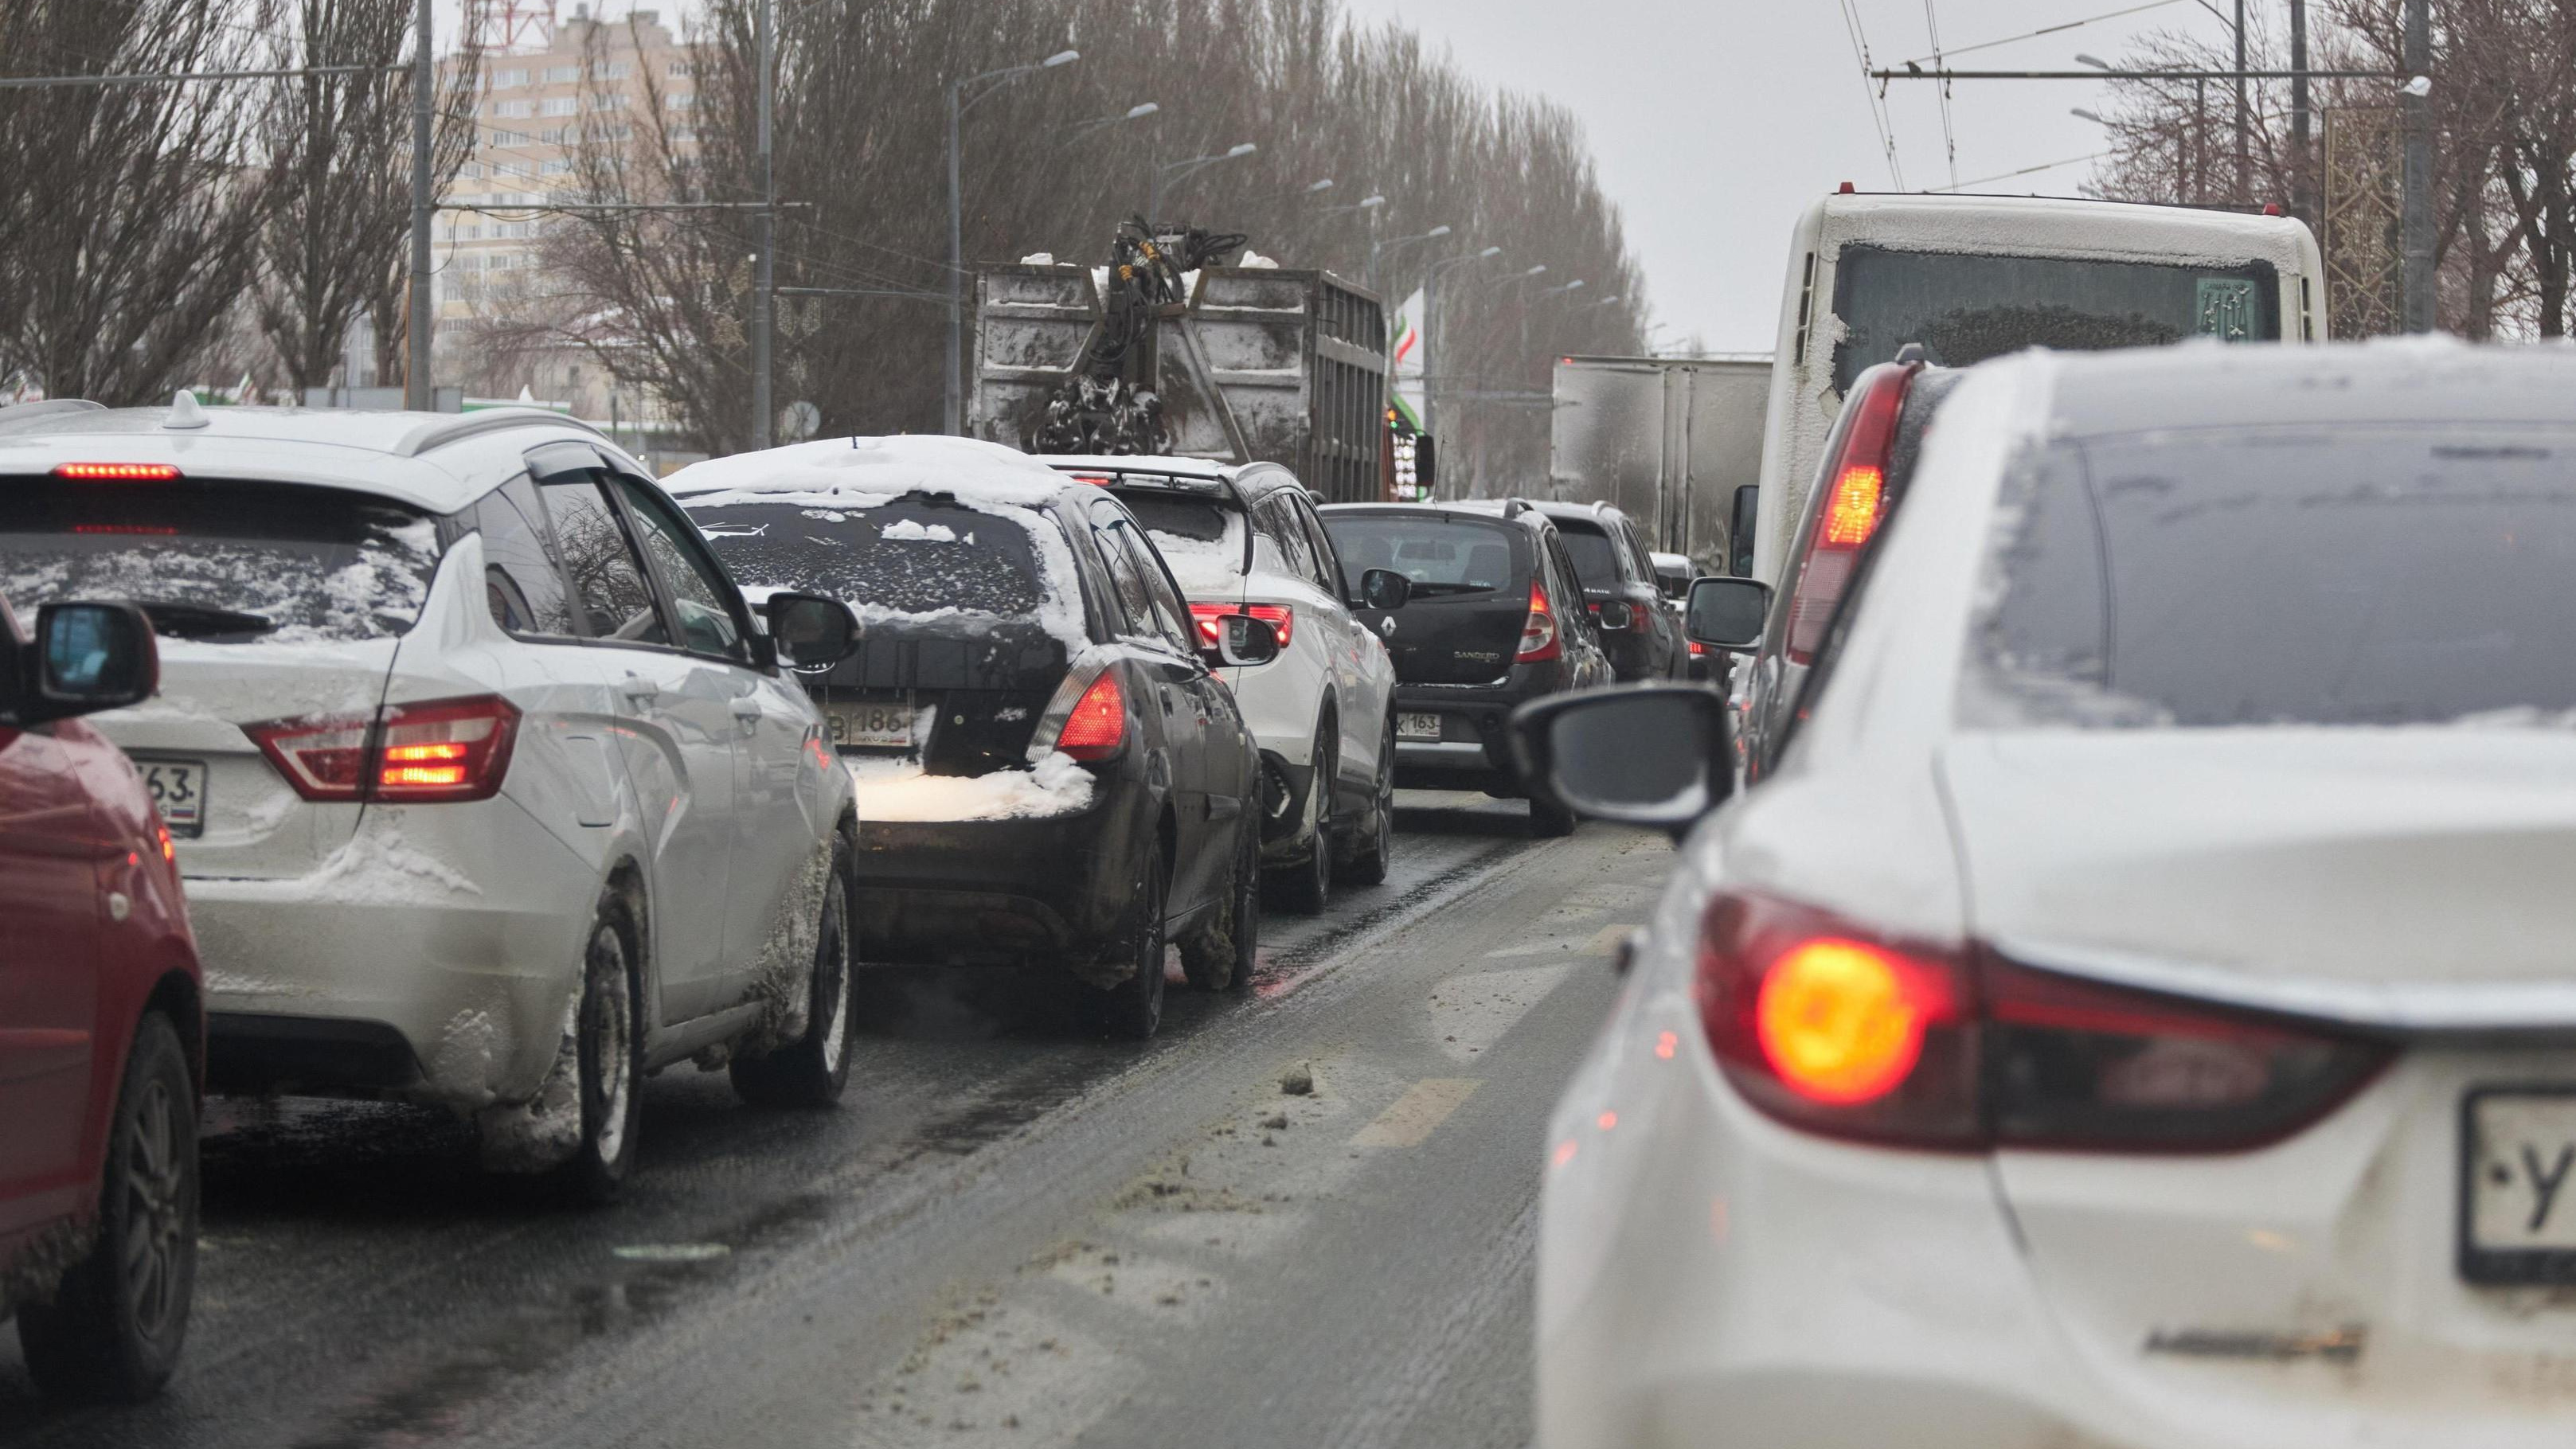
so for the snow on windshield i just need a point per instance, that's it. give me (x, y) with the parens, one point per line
(222, 564)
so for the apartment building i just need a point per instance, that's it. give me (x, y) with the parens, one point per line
(595, 78)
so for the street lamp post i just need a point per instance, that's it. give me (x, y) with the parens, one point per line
(1430, 327)
(1380, 248)
(1183, 170)
(959, 103)
(1365, 203)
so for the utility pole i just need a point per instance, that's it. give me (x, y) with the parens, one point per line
(424, 91)
(2244, 119)
(952, 417)
(764, 286)
(2417, 111)
(2302, 197)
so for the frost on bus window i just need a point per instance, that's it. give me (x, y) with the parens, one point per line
(223, 565)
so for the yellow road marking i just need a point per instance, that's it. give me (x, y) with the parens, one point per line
(1423, 1107)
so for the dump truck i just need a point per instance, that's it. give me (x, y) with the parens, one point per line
(1234, 363)
(1673, 442)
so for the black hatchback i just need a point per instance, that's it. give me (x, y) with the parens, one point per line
(1497, 616)
(1049, 771)
(1641, 636)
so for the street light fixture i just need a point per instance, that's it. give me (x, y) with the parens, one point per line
(1132, 113)
(1315, 188)
(1183, 170)
(2082, 114)
(1365, 203)
(1379, 248)
(2095, 61)
(1576, 285)
(959, 103)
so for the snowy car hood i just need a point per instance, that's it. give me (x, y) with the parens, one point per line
(2413, 876)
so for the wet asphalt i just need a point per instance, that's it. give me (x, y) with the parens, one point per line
(1010, 1233)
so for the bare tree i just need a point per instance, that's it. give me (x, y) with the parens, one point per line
(134, 212)
(334, 242)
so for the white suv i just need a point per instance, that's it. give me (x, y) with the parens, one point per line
(1245, 540)
(487, 791)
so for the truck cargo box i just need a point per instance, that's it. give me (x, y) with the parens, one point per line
(1667, 440)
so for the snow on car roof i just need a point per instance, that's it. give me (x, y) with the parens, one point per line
(852, 471)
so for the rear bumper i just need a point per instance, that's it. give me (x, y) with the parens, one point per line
(432, 959)
(1471, 753)
(1043, 890)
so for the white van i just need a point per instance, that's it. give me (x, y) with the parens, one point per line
(1973, 277)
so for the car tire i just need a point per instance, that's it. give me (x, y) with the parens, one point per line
(1368, 864)
(1134, 1007)
(609, 1038)
(1306, 887)
(1550, 822)
(1219, 954)
(113, 1330)
(812, 1070)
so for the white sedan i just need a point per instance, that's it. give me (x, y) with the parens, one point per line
(2140, 1008)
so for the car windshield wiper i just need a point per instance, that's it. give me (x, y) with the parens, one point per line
(183, 620)
(1420, 590)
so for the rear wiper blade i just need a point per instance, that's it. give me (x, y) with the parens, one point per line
(184, 620)
(1452, 589)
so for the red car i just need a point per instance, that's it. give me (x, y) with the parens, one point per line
(102, 1034)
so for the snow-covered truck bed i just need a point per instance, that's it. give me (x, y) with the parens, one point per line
(1260, 364)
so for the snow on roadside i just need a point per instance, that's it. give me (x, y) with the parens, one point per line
(897, 791)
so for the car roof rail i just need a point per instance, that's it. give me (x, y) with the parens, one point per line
(457, 429)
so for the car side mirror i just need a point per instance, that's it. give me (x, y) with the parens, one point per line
(1647, 754)
(1726, 613)
(1241, 640)
(1384, 589)
(812, 633)
(86, 658)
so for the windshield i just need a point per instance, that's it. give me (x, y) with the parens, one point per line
(222, 563)
(911, 556)
(1440, 555)
(1192, 533)
(1966, 307)
(2393, 575)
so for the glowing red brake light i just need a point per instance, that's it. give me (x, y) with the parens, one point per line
(1539, 638)
(1841, 1031)
(1851, 514)
(1097, 728)
(1211, 620)
(117, 472)
(1853, 506)
(437, 751)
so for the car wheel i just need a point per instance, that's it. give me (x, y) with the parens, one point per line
(1219, 954)
(1548, 822)
(1134, 1007)
(1369, 865)
(610, 1042)
(1307, 887)
(812, 1070)
(113, 1330)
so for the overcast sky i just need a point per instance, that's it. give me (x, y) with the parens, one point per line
(1717, 121)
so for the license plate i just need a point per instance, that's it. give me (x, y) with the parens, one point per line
(178, 790)
(871, 724)
(2518, 1194)
(1417, 727)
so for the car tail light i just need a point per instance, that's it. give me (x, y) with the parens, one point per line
(451, 749)
(1698, 649)
(1855, 503)
(1840, 1030)
(1211, 620)
(1539, 641)
(1097, 728)
(118, 472)
(431, 752)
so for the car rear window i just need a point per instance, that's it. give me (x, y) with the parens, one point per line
(1965, 307)
(1440, 555)
(2364, 576)
(1192, 533)
(912, 556)
(221, 562)
(1596, 557)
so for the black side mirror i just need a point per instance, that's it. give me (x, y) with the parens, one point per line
(1645, 754)
(1725, 613)
(1384, 589)
(1241, 640)
(86, 658)
(811, 633)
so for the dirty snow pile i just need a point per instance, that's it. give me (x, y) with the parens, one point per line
(898, 791)
(1257, 262)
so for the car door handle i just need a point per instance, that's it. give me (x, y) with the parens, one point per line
(746, 709)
